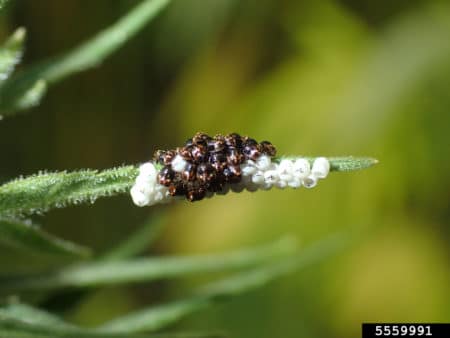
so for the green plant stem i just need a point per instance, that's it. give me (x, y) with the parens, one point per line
(88, 55)
(2, 3)
(147, 269)
(11, 53)
(16, 328)
(158, 317)
(34, 240)
(23, 320)
(19, 311)
(341, 164)
(44, 191)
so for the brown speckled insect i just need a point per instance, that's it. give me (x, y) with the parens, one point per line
(267, 148)
(189, 173)
(212, 163)
(201, 139)
(196, 194)
(177, 190)
(250, 149)
(164, 157)
(166, 176)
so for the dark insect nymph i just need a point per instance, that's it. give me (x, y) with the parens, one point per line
(210, 163)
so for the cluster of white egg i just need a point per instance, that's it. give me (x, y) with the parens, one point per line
(265, 174)
(146, 189)
(260, 174)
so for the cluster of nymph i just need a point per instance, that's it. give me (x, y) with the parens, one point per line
(215, 165)
(207, 164)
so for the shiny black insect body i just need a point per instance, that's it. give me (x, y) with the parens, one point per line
(211, 163)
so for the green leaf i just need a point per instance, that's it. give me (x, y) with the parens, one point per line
(351, 163)
(88, 55)
(32, 96)
(29, 237)
(161, 316)
(11, 53)
(2, 3)
(139, 240)
(15, 328)
(147, 269)
(19, 311)
(22, 320)
(347, 163)
(39, 193)
(158, 317)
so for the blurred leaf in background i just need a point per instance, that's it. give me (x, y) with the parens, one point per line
(315, 78)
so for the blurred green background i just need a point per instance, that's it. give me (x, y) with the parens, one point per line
(362, 78)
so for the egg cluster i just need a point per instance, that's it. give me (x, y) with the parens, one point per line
(215, 165)
(206, 165)
(294, 173)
